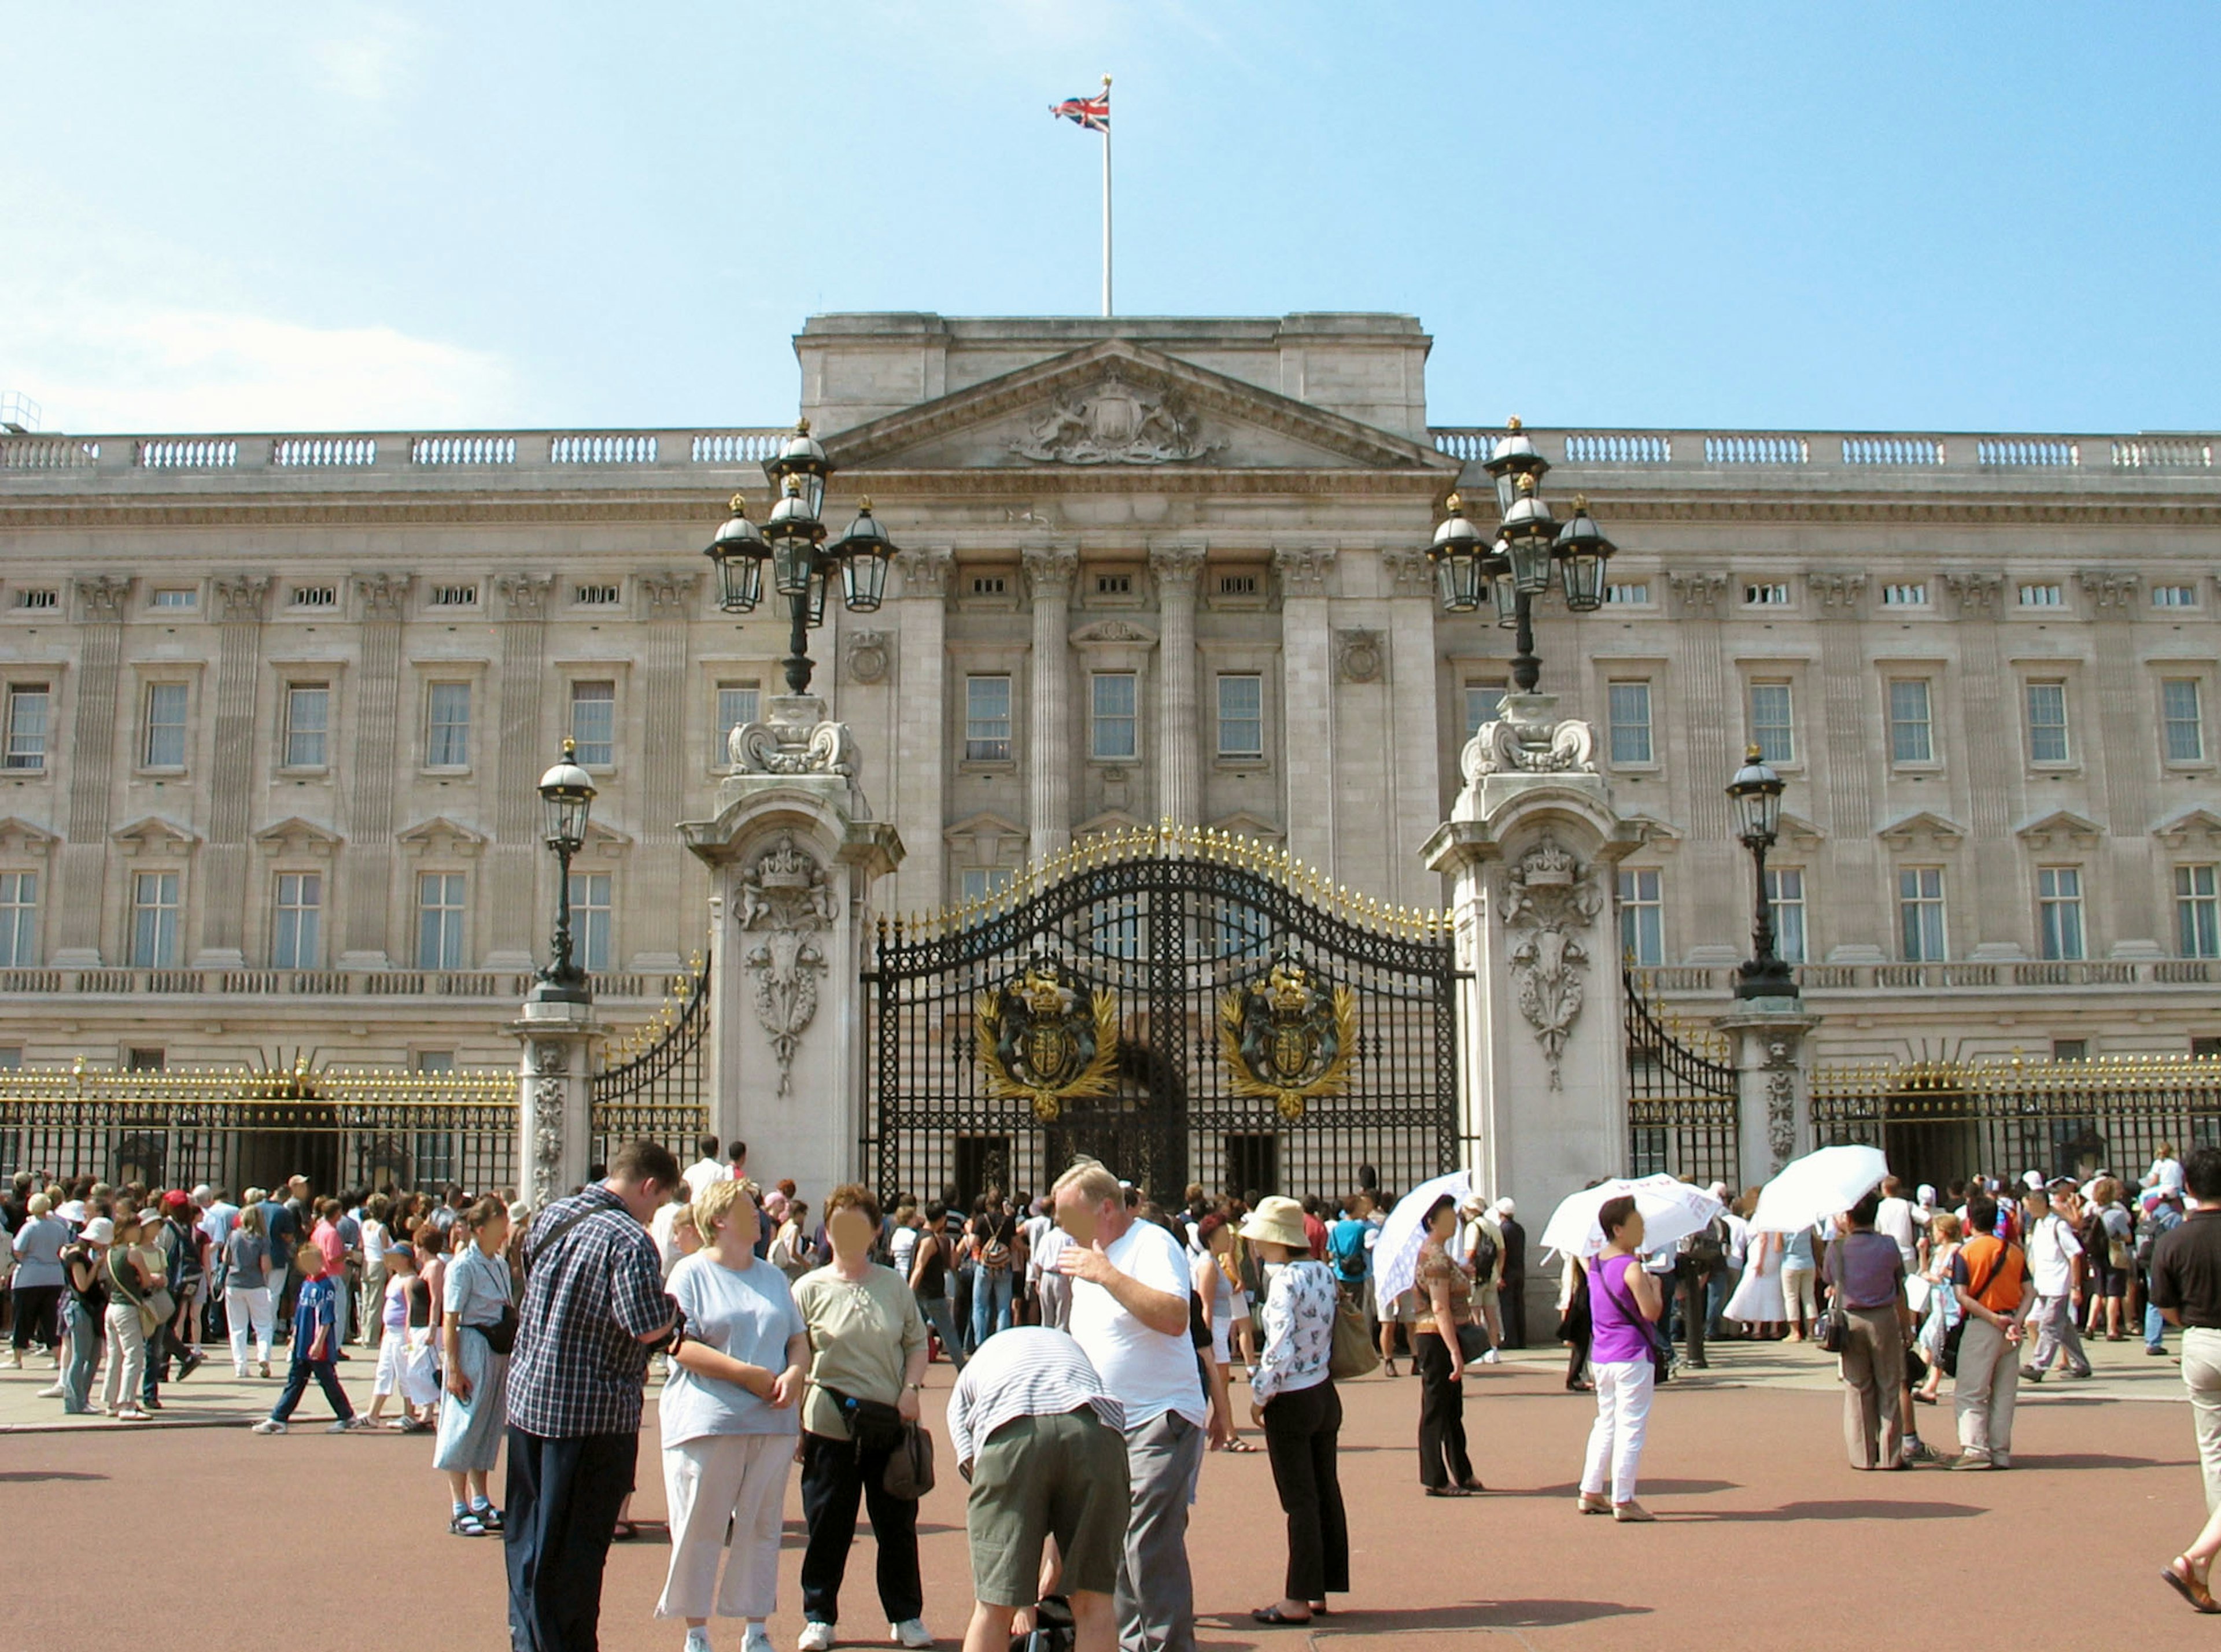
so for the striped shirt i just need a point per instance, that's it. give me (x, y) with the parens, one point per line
(590, 1297)
(1026, 1371)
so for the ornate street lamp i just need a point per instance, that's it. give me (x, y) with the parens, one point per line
(1756, 794)
(567, 798)
(792, 540)
(1529, 543)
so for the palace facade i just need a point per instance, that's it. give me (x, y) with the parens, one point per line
(276, 704)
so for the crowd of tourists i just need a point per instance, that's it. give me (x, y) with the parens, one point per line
(1096, 1337)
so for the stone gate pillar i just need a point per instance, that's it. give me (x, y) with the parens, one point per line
(554, 1097)
(1529, 847)
(793, 851)
(1773, 1075)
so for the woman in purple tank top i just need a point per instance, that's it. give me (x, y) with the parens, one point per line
(1624, 1302)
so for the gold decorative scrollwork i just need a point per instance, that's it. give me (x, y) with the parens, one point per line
(1040, 1040)
(1288, 1040)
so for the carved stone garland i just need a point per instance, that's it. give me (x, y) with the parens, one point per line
(784, 901)
(1548, 897)
(551, 1064)
(1780, 1101)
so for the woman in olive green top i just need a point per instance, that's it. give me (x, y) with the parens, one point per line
(867, 1342)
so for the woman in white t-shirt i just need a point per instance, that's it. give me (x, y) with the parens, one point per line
(729, 1421)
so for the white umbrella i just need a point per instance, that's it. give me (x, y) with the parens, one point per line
(1395, 1252)
(1671, 1210)
(1818, 1186)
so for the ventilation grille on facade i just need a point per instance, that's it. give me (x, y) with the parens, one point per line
(455, 596)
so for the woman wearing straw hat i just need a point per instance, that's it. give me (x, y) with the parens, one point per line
(1293, 1400)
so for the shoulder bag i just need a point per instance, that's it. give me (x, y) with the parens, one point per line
(1946, 1357)
(1835, 1325)
(1353, 1353)
(1642, 1321)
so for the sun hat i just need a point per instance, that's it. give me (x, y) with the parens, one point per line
(99, 1230)
(1278, 1220)
(2033, 1181)
(72, 1213)
(149, 1216)
(1505, 1207)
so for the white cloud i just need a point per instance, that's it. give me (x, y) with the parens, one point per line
(367, 53)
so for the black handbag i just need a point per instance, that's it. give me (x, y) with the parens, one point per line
(909, 1465)
(1835, 1324)
(1472, 1342)
(501, 1334)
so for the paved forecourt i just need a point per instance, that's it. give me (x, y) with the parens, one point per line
(1764, 1532)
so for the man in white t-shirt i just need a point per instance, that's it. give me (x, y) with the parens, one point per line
(1129, 1313)
(704, 1170)
(2052, 1251)
(1895, 1219)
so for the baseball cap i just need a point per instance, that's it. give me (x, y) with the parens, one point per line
(2033, 1180)
(176, 1198)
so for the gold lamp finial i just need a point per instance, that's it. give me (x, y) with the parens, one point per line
(1527, 483)
(1512, 423)
(802, 426)
(1454, 504)
(569, 748)
(739, 504)
(1751, 754)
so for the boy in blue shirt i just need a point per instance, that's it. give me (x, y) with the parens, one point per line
(316, 1346)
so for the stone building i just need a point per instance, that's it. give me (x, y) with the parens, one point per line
(275, 704)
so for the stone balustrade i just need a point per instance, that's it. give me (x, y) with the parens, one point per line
(1819, 980)
(1853, 451)
(501, 986)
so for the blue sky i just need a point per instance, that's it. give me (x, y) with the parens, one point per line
(369, 216)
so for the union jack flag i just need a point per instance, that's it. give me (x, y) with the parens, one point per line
(1092, 114)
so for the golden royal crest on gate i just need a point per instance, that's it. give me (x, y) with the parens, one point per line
(1041, 1040)
(1288, 1038)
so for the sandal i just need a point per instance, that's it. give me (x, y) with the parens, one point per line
(1237, 1443)
(466, 1525)
(625, 1532)
(1275, 1617)
(2182, 1577)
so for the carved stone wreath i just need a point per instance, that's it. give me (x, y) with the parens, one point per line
(1549, 898)
(784, 902)
(1360, 656)
(867, 656)
(1118, 425)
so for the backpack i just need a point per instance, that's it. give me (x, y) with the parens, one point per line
(1708, 1247)
(1485, 1252)
(1347, 1245)
(995, 1244)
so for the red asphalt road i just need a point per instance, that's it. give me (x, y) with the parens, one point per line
(1766, 1538)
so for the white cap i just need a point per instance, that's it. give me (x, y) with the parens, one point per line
(1505, 1207)
(2033, 1181)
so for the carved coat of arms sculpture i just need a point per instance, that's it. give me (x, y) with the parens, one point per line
(1288, 1038)
(1548, 897)
(1118, 425)
(1042, 1040)
(783, 903)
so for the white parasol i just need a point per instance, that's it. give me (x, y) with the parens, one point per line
(1818, 1186)
(1671, 1211)
(1395, 1252)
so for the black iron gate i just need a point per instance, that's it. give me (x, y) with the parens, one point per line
(653, 1087)
(1682, 1106)
(1184, 1006)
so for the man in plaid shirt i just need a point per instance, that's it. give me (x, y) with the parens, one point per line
(594, 1307)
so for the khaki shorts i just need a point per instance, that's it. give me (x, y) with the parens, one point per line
(1039, 1477)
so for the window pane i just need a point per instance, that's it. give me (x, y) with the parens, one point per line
(300, 906)
(448, 726)
(590, 920)
(1770, 725)
(978, 882)
(26, 726)
(2059, 911)
(988, 719)
(2047, 722)
(1785, 891)
(2198, 912)
(1909, 737)
(154, 920)
(440, 921)
(1482, 703)
(19, 920)
(307, 705)
(2185, 738)
(1112, 714)
(1240, 716)
(1630, 722)
(1641, 918)
(737, 704)
(165, 726)
(1920, 913)
(594, 721)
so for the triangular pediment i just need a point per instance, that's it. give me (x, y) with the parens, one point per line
(1242, 824)
(296, 836)
(440, 835)
(1117, 406)
(154, 834)
(1107, 824)
(2059, 828)
(1660, 836)
(19, 835)
(1922, 823)
(2198, 826)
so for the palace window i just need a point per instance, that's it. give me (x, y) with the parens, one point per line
(164, 745)
(1634, 594)
(2175, 596)
(436, 1061)
(448, 726)
(1772, 725)
(2181, 722)
(28, 704)
(590, 920)
(1784, 895)
(1114, 584)
(154, 920)
(307, 720)
(1484, 703)
(1765, 596)
(986, 720)
(173, 596)
(1642, 917)
(1920, 914)
(2042, 596)
(737, 703)
(597, 597)
(2197, 911)
(1630, 707)
(978, 882)
(1912, 737)
(19, 920)
(2059, 911)
(295, 929)
(987, 584)
(36, 600)
(1112, 704)
(1911, 595)
(594, 722)
(439, 919)
(1240, 714)
(316, 596)
(455, 596)
(1237, 584)
(2047, 722)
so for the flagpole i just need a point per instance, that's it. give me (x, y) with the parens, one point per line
(1106, 203)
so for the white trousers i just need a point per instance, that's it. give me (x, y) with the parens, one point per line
(245, 1307)
(1623, 1389)
(742, 1476)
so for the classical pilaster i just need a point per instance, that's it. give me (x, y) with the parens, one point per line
(917, 763)
(1414, 741)
(1049, 752)
(1996, 925)
(660, 929)
(520, 754)
(369, 827)
(92, 770)
(1307, 701)
(1852, 746)
(1179, 718)
(223, 904)
(1770, 1038)
(2126, 758)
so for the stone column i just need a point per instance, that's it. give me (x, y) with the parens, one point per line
(369, 809)
(1049, 752)
(1531, 846)
(1307, 702)
(224, 895)
(92, 771)
(919, 761)
(793, 853)
(1773, 1059)
(2125, 722)
(1696, 773)
(1854, 742)
(554, 1098)
(1992, 768)
(520, 754)
(1179, 715)
(1415, 702)
(662, 934)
